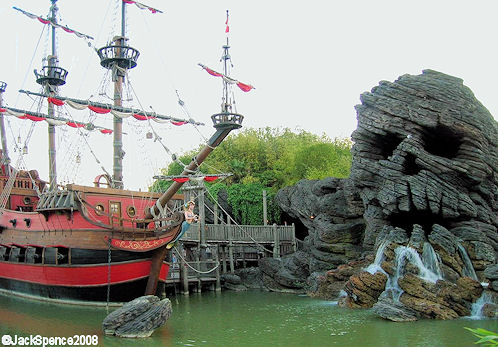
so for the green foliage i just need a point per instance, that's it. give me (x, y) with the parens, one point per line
(485, 337)
(270, 159)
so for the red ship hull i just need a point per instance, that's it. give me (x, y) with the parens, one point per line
(77, 245)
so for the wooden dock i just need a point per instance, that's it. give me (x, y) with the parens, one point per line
(226, 248)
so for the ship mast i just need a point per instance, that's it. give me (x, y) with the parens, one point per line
(224, 122)
(5, 153)
(118, 57)
(50, 77)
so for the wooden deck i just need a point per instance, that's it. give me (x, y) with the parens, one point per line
(226, 248)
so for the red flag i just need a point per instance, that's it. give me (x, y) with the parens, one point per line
(178, 123)
(55, 101)
(34, 118)
(106, 131)
(244, 87)
(212, 72)
(141, 117)
(180, 179)
(227, 29)
(210, 178)
(99, 109)
(75, 125)
(44, 21)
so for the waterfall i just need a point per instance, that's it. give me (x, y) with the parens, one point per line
(379, 257)
(476, 311)
(431, 260)
(468, 269)
(406, 255)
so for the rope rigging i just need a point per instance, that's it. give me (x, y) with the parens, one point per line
(194, 269)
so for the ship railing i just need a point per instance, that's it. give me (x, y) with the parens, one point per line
(19, 183)
(138, 229)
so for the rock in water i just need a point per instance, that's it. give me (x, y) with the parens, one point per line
(138, 318)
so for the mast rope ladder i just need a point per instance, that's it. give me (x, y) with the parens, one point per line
(4, 197)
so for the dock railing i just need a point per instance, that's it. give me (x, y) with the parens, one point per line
(223, 233)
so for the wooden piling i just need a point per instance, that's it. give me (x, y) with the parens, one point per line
(224, 258)
(217, 271)
(276, 244)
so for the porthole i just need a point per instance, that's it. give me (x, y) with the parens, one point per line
(131, 211)
(27, 200)
(99, 209)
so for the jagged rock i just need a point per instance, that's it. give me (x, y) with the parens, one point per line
(395, 311)
(417, 239)
(138, 318)
(332, 213)
(364, 289)
(425, 168)
(428, 308)
(277, 277)
(232, 282)
(251, 277)
(490, 310)
(231, 278)
(328, 285)
(491, 272)
(458, 297)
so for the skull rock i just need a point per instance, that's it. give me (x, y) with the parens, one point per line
(426, 153)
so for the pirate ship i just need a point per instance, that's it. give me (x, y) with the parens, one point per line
(76, 242)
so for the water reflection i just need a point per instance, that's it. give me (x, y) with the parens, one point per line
(243, 319)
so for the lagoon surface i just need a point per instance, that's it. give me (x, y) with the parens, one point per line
(242, 319)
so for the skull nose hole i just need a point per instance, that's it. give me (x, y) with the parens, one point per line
(410, 167)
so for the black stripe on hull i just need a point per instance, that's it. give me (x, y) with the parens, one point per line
(94, 256)
(121, 292)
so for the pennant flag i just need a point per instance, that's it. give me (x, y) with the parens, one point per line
(243, 86)
(227, 29)
(53, 24)
(142, 6)
(56, 121)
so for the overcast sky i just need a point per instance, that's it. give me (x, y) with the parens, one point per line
(309, 62)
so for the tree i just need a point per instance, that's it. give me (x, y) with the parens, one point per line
(267, 158)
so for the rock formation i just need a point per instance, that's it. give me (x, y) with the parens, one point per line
(422, 196)
(138, 318)
(332, 213)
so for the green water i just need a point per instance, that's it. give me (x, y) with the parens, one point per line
(242, 319)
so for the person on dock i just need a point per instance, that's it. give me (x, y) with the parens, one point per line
(190, 217)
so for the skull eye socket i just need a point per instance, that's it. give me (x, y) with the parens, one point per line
(442, 142)
(388, 143)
